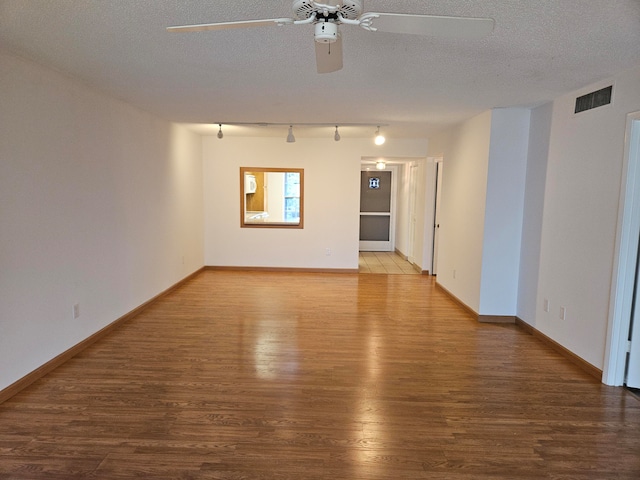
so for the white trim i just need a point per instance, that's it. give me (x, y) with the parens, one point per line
(414, 169)
(437, 204)
(622, 282)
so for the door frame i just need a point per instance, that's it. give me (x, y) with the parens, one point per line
(414, 169)
(370, 246)
(626, 254)
(437, 201)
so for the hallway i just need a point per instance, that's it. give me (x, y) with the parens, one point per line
(385, 262)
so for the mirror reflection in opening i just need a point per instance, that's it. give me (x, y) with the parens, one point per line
(271, 197)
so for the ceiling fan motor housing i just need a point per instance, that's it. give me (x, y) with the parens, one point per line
(326, 32)
(350, 9)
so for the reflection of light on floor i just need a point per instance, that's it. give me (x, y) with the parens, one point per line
(372, 429)
(373, 344)
(274, 354)
(369, 406)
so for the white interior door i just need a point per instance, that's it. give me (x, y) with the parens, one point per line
(633, 360)
(377, 204)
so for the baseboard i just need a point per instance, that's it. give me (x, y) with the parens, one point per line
(419, 269)
(496, 318)
(281, 269)
(399, 253)
(476, 315)
(460, 303)
(24, 382)
(566, 353)
(415, 266)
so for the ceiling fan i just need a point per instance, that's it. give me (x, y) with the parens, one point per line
(327, 17)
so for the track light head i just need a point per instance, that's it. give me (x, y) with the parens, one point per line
(290, 137)
(336, 136)
(220, 134)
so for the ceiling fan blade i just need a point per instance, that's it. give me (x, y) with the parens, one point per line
(432, 25)
(228, 25)
(329, 56)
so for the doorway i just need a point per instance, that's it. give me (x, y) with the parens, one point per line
(377, 210)
(622, 357)
(409, 211)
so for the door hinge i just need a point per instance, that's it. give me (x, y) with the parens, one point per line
(628, 346)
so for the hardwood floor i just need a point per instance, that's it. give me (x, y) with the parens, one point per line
(271, 375)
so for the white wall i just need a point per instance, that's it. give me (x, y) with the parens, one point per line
(484, 171)
(583, 180)
(570, 210)
(504, 211)
(465, 150)
(331, 200)
(99, 205)
(533, 212)
(402, 240)
(274, 201)
(425, 212)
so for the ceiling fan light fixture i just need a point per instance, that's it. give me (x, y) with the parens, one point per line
(379, 140)
(336, 135)
(290, 137)
(326, 32)
(220, 134)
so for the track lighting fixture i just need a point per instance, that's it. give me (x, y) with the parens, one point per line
(379, 139)
(290, 137)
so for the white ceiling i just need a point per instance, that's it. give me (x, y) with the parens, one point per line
(539, 50)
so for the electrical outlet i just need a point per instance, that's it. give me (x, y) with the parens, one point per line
(76, 310)
(327, 252)
(546, 305)
(563, 313)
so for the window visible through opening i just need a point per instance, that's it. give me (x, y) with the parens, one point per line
(292, 197)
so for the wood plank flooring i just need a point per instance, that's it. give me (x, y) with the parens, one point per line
(270, 375)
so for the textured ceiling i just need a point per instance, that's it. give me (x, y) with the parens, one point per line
(540, 49)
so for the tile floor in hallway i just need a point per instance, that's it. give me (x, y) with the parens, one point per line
(385, 262)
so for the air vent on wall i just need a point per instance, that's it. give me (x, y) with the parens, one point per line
(594, 99)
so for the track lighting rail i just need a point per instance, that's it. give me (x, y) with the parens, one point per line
(379, 139)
